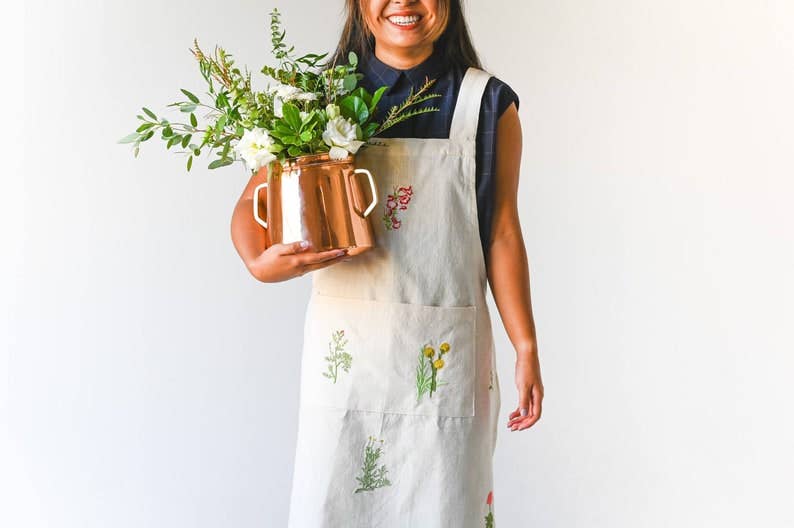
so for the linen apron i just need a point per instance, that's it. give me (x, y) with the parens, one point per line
(399, 396)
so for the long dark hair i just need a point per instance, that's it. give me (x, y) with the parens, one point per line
(455, 41)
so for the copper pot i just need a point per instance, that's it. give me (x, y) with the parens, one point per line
(317, 199)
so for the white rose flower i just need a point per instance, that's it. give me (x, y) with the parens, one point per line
(254, 148)
(288, 92)
(340, 135)
(285, 92)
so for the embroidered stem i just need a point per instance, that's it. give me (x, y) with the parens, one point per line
(337, 357)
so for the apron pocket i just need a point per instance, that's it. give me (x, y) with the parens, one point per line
(389, 357)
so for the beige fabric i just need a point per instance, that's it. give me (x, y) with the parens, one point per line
(377, 447)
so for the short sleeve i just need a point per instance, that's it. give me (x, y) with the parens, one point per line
(503, 94)
(496, 99)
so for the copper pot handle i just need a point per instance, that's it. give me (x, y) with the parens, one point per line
(263, 223)
(372, 205)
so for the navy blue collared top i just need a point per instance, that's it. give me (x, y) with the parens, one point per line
(496, 98)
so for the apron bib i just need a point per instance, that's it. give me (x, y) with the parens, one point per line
(399, 397)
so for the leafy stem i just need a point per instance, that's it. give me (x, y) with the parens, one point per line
(398, 113)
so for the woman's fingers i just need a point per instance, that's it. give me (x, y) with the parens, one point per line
(324, 263)
(528, 411)
(309, 259)
(294, 247)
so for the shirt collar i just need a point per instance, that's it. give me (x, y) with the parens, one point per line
(383, 74)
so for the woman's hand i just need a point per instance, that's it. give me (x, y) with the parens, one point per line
(530, 393)
(281, 262)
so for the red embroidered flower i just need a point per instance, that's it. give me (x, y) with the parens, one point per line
(394, 202)
(489, 501)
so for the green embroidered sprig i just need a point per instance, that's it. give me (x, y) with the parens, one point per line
(372, 476)
(337, 356)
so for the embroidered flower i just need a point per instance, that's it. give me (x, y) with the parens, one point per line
(427, 370)
(489, 517)
(398, 200)
(404, 195)
(372, 475)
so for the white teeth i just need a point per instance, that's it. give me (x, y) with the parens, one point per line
(404, 20)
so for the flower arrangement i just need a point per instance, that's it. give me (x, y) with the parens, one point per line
(310, 108)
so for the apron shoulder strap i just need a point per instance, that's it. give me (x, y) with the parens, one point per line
(466, 115)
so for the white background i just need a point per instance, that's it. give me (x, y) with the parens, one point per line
(152, 382)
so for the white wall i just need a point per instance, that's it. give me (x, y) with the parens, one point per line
(152, 382)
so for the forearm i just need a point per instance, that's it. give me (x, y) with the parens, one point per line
(249, 238)
(508, 275)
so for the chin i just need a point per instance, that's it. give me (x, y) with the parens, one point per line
(405, 41)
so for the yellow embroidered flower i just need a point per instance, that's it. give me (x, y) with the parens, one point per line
(438, 363)
(429, 352)
(444, 347)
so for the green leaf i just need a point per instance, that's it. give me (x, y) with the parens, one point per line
(187, 107)
(369, 129)
(145, 126)
(306, 136)
(186, 140)
(349, 82)
(173, 141)
(352, 59)
(220, 163)
(376, 98)
(190, 95)
(292, 116)
(129, 138)
(294, 150)
(147, 136)
(189, 163)
(193, 120)
(149, 113)
(220, 124)
(354, 108)
(221, 101)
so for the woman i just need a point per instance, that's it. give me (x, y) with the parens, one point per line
(399, 392)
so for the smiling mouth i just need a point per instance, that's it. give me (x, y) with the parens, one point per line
(404, 21)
